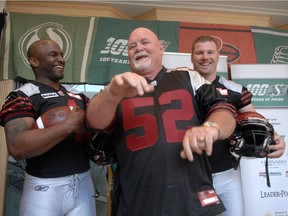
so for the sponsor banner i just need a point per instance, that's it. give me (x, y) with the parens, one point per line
(75, 35)
(235, 42)
(110, 54)
(265, 79)
(267, 83)
(271, 45)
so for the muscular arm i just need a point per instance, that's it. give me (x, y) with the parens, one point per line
(23, 142)
(225, 121)
(101, 109)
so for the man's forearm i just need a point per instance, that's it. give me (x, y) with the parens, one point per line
(225, 121)
(101, 110)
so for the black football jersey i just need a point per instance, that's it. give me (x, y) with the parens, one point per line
(32, 100)
(148, 132)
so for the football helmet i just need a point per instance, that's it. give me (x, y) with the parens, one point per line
(252, 136)
(101, 150)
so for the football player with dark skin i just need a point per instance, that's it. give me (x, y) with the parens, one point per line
(227, 180)
(157, 117)
(58, 171)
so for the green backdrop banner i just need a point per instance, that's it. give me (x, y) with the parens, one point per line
(271, 45)
(75, 35)
(110, 50)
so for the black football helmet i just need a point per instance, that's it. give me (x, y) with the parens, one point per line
(252, 136)
(101, 150)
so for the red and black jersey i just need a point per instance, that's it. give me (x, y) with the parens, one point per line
(32, 100)
(221, 159)
(148, 130)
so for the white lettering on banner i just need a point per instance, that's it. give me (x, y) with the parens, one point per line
(104, 59)
(108, 46)
(118, 47)
(277, 99)
(281, 193)
(119, 61)
(269, 90)
(115, 47)
(258, 99)
(257, 89)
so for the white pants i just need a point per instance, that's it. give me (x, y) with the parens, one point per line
(69, 196)
(228, 186)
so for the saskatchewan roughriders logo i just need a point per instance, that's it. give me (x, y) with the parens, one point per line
(49, 30)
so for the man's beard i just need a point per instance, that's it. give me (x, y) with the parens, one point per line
(142, 66)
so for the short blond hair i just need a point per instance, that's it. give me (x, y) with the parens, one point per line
(202, 39)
